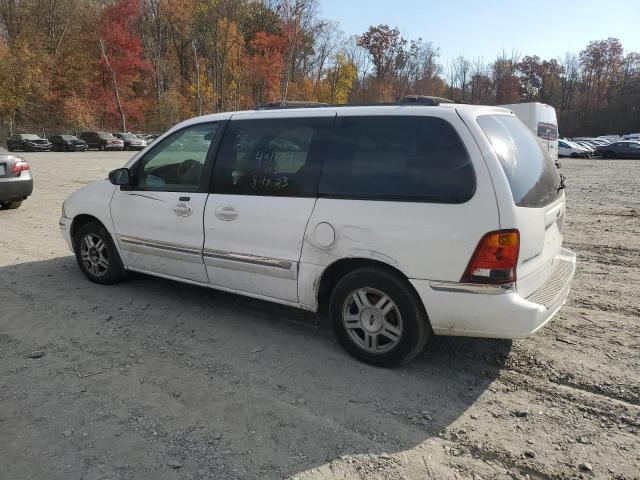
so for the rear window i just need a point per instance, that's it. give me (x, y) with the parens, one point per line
(397, 158)
(532, 174)
(105, 135)
(547, 131)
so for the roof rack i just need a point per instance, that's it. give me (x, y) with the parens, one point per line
(291, 104)
(424, 100)
(418, 100)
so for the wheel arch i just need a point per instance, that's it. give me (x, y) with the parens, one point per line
(338, 269)
(78, 222)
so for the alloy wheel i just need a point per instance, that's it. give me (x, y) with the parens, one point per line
(372, 320)
(94, 254)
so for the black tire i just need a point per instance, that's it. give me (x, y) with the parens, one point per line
(10, 205)
(414, 328)
(101, 148)
(9, 148)
(574, 155)
(114, 272)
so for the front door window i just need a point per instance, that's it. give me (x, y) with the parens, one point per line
(177, 162)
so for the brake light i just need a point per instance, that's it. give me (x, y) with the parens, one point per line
(19, 166)
(495, 258)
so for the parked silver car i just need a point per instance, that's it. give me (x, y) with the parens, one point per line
(16, 183)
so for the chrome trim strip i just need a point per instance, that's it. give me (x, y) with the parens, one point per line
(213, 258)
(472, 288)
(172, 247)
(246, 258)
(271, 267)
(131, 249)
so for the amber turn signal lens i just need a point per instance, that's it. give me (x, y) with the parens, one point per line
(495, 258)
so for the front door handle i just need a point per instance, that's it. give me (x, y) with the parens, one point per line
(226, 212)
(183, 209)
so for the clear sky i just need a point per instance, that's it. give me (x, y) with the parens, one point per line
(483, 28)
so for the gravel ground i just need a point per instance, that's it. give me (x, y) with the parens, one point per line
(156, 379)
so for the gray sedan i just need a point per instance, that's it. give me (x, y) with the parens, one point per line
(16, 183)
(628, 149)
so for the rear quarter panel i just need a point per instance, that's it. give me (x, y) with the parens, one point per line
(432, 241)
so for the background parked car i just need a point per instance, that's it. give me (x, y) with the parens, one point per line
(16, 183)
(628, 149)
(570, 149)
(587, 146)
(28, 142)
(611, 138)
(148, 137)
(131, 141)
(594, 142)
(68, 143)
(102, 141)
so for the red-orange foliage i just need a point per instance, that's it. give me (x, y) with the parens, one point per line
(264, 66)
(117, 29)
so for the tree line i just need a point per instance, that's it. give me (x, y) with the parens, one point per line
(144, 65)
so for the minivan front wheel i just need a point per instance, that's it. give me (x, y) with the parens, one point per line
(97, 255)
(378, 318)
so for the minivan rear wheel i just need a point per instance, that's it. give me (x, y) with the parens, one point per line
(378, 318)
(97, 256)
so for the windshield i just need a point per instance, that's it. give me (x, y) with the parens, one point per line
(30, 136)
(532, 174)
(68, 137)
(128, 136)
(105, 135)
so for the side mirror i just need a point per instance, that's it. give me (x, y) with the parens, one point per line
(120, 176)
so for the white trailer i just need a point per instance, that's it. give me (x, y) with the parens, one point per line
(541, 119)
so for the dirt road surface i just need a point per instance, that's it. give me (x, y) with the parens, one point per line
(152, 379)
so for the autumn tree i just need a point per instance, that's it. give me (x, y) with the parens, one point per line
(385, 45)
(146, 64)
(119, 88)
(19, 77)
(505, 81)
(263, 67)
(338, 83)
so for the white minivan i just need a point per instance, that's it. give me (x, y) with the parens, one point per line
(405, 221)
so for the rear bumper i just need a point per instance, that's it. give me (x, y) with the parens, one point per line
(502, 313)
(15, 189)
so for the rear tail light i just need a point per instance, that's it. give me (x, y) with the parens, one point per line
(495, 258)
(19, 166)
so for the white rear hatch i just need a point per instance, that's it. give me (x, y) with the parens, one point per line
(531, 199)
